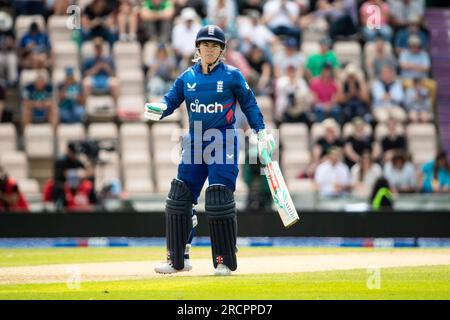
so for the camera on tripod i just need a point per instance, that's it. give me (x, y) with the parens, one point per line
(91, 148)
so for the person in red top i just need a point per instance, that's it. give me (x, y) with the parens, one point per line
(11, 199)
(326, 92)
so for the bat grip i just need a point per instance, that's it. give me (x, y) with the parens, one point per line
(266, 157)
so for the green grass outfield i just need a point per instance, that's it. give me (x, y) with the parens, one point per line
(396, 283)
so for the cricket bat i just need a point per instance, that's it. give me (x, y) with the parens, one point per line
(280, 194)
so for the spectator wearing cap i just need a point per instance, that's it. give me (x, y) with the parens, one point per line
(324, 144)
(8, 56)
(97, 20)
(364, 174)
(11, 198)
(293, 97)
(326, 91)
(359, 141)
(161, 73)
(157, 16)
(332, 177)
(403, 11)
(418, 101)
(401, 174)
(315, 62)
(224, 10)
(127, 20)
(355, 99)
(256, 33)
(388, 96)
(282, 18)
(184, 34)
(71, 99)
(435, 175)
(414, 62)
(38, 103)
(393, 141)
(375, 16)
(289, 56)
(382, 56)
(35, 49)
(261, 74)
(99, 73)
(412, 28)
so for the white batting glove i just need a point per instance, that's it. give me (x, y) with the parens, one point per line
(154, 110)
(266, 146)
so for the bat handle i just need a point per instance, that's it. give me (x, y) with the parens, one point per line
(266, 157)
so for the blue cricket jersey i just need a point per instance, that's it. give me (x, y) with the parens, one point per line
(211, 98)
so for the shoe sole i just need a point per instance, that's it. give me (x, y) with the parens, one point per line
(172, 272)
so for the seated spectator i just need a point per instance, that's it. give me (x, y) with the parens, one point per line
(374, 24)
(235, 58)
(315, 62)
(99, 74)
(221, 9)
(355, 97)
(157, 16)
(260, 81)
(71, 100)
(364, 174)
(332, 177)
(358, 142)
(184, 34)
(8, 56)
(412, 29)
(5, 114)
(381, 197)
(342, 16)
(326, 91)
(244, 6)
(401, 174)
(323, 145)
(293, 98)
(11, 198)
(256, 33)
(388, 96)
(403, 11)
(38, 103)
(127, 20)
(198, 5)
(435, 175)
(97, 20)
(161, 73)
(393, 141)
(414, 62)
(35, 49)
(281, 16)
(418, 102)
(382, 57)
(289, 56)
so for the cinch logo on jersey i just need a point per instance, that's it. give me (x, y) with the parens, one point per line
(203, 108)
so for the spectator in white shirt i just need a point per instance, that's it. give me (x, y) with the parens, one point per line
(184, 34)
(255, 33)
(332, 177)
(401, 174)
(364, 174)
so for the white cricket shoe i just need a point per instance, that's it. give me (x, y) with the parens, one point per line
(222, 270)
(167, 268)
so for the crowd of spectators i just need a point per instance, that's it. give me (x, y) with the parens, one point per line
(391, 85)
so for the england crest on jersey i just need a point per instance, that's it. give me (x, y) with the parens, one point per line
(219, 86)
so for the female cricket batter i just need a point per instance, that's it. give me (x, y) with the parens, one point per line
(211, 90)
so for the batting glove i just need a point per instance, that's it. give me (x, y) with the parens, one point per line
(266, 146)
(154, 110)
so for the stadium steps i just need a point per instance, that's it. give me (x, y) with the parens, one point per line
(438, 22)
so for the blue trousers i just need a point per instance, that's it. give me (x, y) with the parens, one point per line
(216, 160)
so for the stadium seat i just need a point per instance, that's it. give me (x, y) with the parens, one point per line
(28, 76)
(149, 51)
(29, 187)
(87, 50)
(296, 154)
(127, 55)
(138, 187)
(15, 163)
(23, 24)
(130, 107)
(300, 185)
(348, 51)
(8, 137)
(39, 141)
(381, 130)
(134, 137)
(131, 82)
(136, 166)
(422, 142)
(266, 105)
(318, 131)
(107, 169)
(68, 132)
(100, 108)
(103, 131)
(58, 31)
(349, 127)
(66, 55)
(309, 48)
